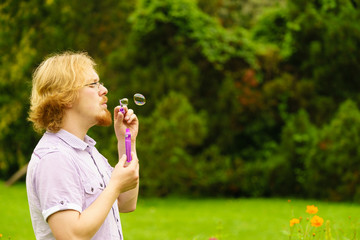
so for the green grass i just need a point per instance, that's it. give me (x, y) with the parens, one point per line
(14, 213)
(194, 219)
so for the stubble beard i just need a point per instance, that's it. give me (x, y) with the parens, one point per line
(104, 119)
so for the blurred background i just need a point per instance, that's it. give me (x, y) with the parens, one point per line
(252, 98)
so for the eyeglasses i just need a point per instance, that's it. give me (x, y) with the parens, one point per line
(95, 84)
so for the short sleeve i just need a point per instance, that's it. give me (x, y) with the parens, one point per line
(58, 184)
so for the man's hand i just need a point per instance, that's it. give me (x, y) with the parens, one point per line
(123, 121)
(125, 177)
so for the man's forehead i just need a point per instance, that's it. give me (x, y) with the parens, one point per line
(93, 76)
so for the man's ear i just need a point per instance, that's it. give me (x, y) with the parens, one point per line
(69, 105)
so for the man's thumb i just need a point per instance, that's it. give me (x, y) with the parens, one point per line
(122, 160)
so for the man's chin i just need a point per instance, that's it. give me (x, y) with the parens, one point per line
(105, 119)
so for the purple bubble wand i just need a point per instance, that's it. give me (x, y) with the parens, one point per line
(139, 100)
(124, 103)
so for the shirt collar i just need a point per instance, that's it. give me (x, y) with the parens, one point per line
(74, 141)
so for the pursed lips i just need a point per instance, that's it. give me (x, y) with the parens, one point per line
(104, 101)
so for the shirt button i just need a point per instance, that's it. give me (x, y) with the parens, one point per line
(101, 185)
(92, 189)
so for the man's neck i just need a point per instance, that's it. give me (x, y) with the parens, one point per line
(75, 126)
(76, 132)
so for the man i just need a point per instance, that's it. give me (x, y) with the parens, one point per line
(73, 192)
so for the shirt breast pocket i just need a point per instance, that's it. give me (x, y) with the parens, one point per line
(93, 188)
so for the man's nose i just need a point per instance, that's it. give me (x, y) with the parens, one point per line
(103, 90)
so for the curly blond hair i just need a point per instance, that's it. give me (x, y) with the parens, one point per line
(55, 86)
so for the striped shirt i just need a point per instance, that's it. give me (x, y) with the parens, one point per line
(66, 173)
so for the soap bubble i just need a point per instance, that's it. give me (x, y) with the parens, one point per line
(124, 102)
(139, 99)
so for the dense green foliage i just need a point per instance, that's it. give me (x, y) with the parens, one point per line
(241, 97)
(332, 161)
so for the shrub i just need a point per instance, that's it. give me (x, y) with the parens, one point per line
(297, 138)
(166, 146)
(332, 170)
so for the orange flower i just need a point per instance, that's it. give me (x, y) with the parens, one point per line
(311, 209)
(294, 221)
(316, 221)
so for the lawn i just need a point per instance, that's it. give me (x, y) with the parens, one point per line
(195, 219)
